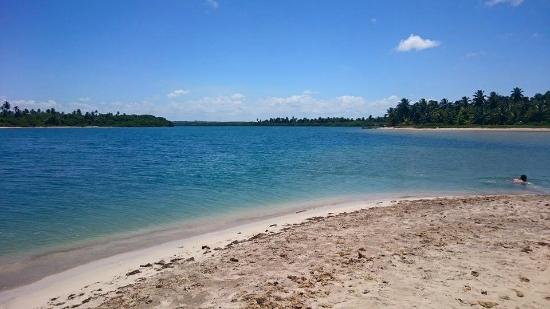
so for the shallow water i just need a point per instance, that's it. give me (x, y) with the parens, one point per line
(62, 187)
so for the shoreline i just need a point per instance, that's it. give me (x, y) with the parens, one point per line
(105, 269)
(84, 127)
(24, 268)
(65, 127)
(115, 266)
(477, 251)
(504, 129)
(118, 264)
(20, 269)
(526, 129)
(110, 273)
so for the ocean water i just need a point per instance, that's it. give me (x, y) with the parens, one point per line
(62, 187)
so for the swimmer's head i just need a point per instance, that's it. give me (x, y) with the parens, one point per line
(523, 178)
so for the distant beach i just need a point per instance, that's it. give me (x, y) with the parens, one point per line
(532, 129)
(55, 127)
(467, 250)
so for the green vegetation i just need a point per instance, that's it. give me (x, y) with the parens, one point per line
(198, 123)
(326, 122)
(492, 110)
(515, 110)
(294, 122)
(53, 118)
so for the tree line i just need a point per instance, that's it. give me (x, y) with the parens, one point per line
(480, 110)
(16, 117)
(326, 122)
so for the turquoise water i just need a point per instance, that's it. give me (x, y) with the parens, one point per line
(64, 186)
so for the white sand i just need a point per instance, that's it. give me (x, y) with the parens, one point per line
(470, 252)
(467, 129)
(482, 252)
(110, 273)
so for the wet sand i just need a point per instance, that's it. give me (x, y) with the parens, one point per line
(480, 252)
(16, 271)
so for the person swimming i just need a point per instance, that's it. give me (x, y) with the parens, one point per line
(522, 180)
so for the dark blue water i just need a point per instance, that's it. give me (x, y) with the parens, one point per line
(64, 186)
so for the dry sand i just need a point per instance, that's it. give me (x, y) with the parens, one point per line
(461, 252)
(532, 129)
(107, 274)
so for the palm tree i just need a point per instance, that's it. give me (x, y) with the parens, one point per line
(517, 94)
(479, 98)
(494, 113)
(403, 110)
(518, 105)
(465, 101)
(479, 103)
(391, 115)
(5, 107)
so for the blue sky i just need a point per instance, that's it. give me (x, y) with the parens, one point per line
(240, 60)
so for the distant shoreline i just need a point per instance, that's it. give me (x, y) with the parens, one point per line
(222, 124)
(57, 127)
(84, 127)
(510, 129)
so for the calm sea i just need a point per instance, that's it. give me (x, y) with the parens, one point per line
(61, 187)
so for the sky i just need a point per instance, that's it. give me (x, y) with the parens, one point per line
(223, 60)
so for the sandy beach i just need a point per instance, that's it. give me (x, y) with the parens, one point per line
(218, 154)
(532, 129)
(484, 251)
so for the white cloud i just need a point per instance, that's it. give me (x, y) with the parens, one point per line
(226, 107)
(307, 105)
(34, 104)
(178, 93)
(235, 106)
(238, 96)
(213, 3)
(416, 42)
(380, 107)
(143, 107)
(66, 107)
(497, 2)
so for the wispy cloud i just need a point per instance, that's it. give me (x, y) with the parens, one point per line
(62, 106)
(226, 105)
(509, 2)
(235, 106)
(213, 3)
(35, 104)
(308, 105)
(416, 42)
(178, 93)
(373, 20)
(474, 54)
